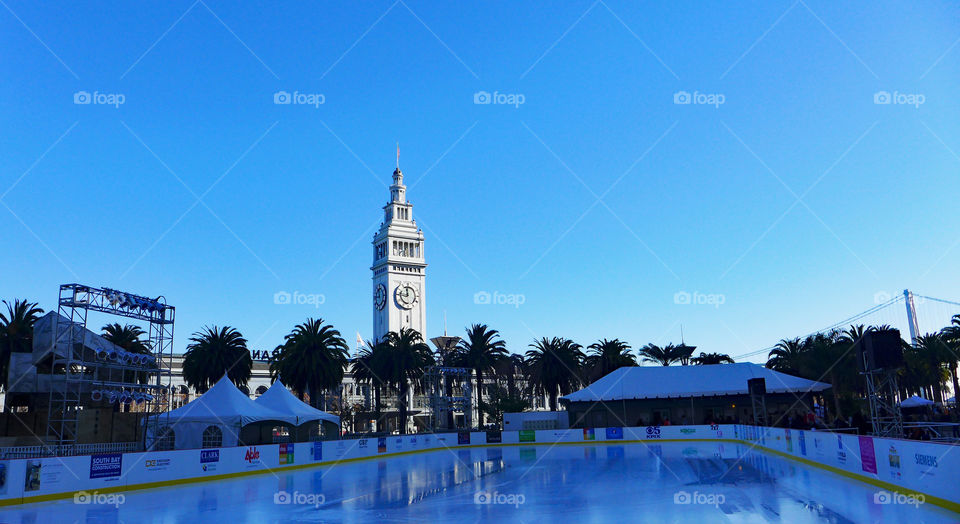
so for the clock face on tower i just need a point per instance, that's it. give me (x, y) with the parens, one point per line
(406, 295)
(380, 297)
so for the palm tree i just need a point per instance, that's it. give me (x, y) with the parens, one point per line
(406, 361)
(508, 369)
(787, 356)
(311, 360)
(606, 356)
(708, 359)
(666, 355)
(16, 332)
(831, 355)
(555, 367)
(369, 367)
(213, 352)
(128, 338)
(933, 351)
(951, 334)
(480, 351)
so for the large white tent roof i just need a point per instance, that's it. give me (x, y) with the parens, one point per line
(649, 382)
(224, 403)
(916, 402)
(279, 398)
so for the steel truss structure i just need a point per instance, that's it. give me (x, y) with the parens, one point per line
(758, 402)
(450, 390)
(885, 416)
(86, 376)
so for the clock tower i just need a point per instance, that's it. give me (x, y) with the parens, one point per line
(399, 269)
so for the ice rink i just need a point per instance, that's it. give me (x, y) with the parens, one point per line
(668, 482)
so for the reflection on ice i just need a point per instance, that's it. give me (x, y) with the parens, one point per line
(668, 482)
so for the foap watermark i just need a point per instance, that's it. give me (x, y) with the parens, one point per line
(709, 499)
(884, 98)
(297, 298)
(482, 98)
(887, 497)
(682, 98)
(299, 499)
(106, 499)
(499, 299)
(285, 98)
(85, 98)
(881, 297)
(493, 497)
(696, 298)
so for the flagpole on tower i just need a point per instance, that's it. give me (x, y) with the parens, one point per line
(398, 154)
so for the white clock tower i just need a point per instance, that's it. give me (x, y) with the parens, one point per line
(399, 269)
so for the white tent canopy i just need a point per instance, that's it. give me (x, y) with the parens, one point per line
(223, 406)
(650, 382)
(279, 398)
(916, 402)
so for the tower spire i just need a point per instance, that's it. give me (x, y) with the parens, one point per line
(398, 155)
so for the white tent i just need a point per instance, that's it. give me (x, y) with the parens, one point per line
(916, 402)
(279, 398)
(648, 382)
(223, 406)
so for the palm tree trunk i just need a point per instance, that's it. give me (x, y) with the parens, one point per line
(314, 397)
(553, 400)
(376, 400)
(956, 386)
(403, 407)
(479, 398)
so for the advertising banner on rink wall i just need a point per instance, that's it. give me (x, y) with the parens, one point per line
(921, 467)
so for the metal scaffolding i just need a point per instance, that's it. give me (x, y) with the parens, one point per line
(85, 376)
(450, 390)
(885, 416)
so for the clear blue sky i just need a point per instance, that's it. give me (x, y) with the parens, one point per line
(598, 199)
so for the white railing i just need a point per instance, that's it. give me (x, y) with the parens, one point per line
(67, 450)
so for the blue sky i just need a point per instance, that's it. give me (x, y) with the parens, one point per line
(794, 202)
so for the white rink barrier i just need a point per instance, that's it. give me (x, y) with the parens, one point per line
(908, 467)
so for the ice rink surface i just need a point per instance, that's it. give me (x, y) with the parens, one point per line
(669, 482)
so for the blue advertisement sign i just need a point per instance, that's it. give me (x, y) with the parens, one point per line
(209, 455)
(318, 450)
(615, 433)
(106, 465)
